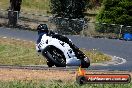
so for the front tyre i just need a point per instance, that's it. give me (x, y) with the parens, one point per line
(55, 55)
(50, 64)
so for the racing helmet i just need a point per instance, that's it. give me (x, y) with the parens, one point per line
(42, 28)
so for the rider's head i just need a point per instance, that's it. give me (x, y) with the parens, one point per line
(42, 28)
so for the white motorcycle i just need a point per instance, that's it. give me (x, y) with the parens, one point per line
(61, 52)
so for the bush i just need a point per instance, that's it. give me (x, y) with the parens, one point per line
(71, 9)
(115, 11)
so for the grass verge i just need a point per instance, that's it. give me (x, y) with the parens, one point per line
(42, 84)
(29, 5)
(96, 56)
(18, 52)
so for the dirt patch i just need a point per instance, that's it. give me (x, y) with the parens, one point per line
(47, 75)
(15, 74)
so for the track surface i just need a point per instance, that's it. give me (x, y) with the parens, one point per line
(44, 67)
(118, 48)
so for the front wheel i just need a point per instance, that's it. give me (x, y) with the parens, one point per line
(56, 56)
(50, 64)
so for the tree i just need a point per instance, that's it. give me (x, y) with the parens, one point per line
(71, 9)
(13, 13)
(68, 8)
(115, 11)
(15, 5)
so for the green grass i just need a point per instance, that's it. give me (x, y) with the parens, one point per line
(96, 56)
(36, 4)
(53, 84)
(4, 4)
(19, 55)
(41, 6)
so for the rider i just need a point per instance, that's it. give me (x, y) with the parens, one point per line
(42, 29)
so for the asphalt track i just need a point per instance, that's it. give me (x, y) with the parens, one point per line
(119, 48)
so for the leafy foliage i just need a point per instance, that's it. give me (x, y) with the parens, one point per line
(68, 8)
(71, 9)
(115, 11)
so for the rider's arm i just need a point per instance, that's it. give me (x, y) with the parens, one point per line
(38, 42)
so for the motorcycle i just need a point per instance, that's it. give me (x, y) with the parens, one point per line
(61, 52)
